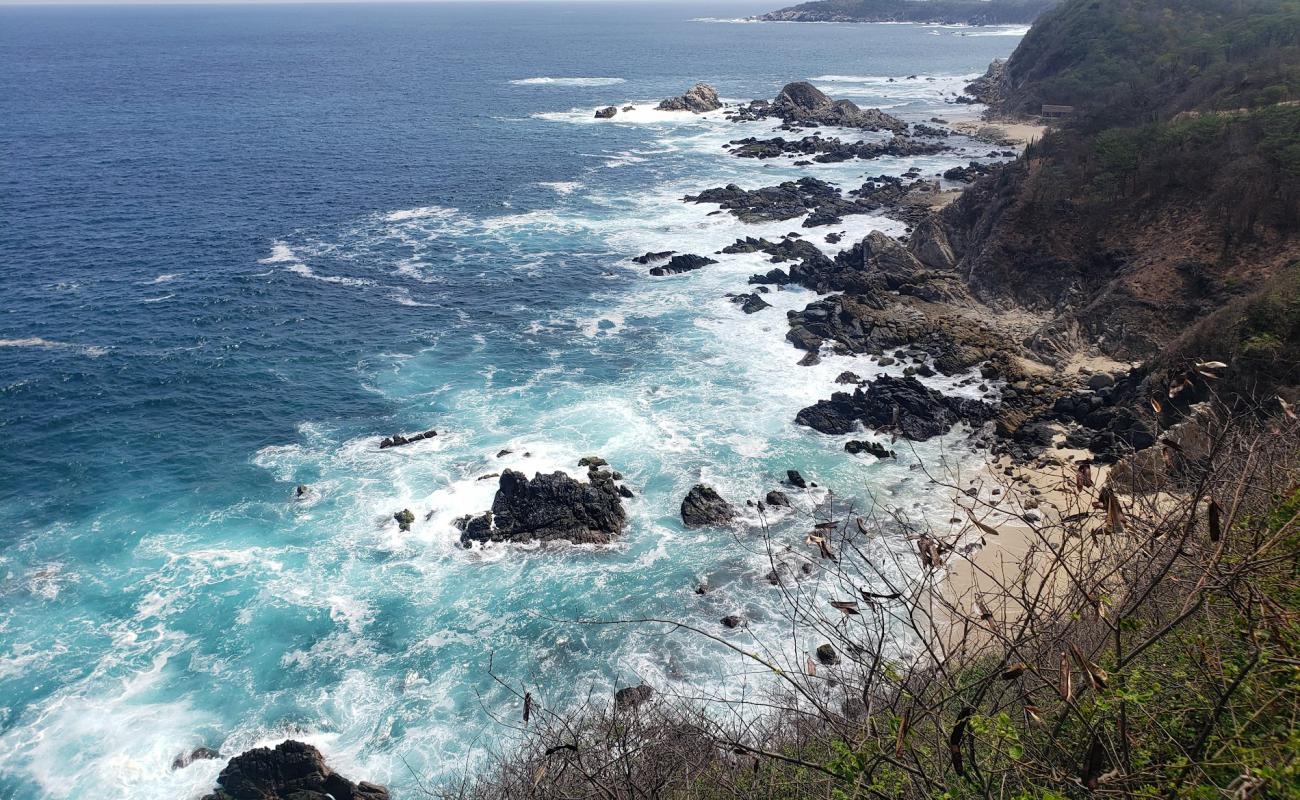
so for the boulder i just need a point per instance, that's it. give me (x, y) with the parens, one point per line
(607, 112)
(876, 449)
(796, 480)
(827, 655)
(901, 405)
(776, 499)
(700, 98)
(930, 245)
(292, 771)
(550, 507)
(633, 696)
(732, 621)
(704, 506)
(404, 519)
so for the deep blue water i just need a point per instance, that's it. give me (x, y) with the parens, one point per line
(239, 244)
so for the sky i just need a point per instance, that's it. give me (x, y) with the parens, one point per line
(259, 2)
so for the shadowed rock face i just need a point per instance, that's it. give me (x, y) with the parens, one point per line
(704, 506)
(903, 405)
(801, 102)
(292, 771)
(550, 507)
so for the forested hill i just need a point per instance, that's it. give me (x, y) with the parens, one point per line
(969, 12)
(1129, 60)
(1161, 218)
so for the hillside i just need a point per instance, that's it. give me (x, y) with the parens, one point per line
(1168, 199)
(969, 12)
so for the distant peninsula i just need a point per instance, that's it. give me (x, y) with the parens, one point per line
(967, 12)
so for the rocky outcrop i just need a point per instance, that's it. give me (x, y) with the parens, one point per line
(607, 112)
(550, 507)
(653, 256)
(700, 99)
(397, 439)
(683, 263)
(801, 103)
(750, 303)
(292, 771)
(832, 150)
(903, 406)
(876, 449)
(704, 506)
(990, 87)
(404, 519)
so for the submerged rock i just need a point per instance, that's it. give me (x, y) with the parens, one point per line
(292, 771)
(550, 507)
(704, 506)
(700, 98)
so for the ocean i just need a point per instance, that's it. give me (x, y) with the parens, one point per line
(240, 244)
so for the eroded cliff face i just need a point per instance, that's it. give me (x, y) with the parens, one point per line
(1159, 206)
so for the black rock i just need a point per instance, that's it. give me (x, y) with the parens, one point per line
(827, 655)
(901, 405)
(633, 696)
(550, 507)
(732, 621)
(197, 754)
(704, 506)
(607, 112)
(682, 263)
(777, 498)
(849, 377)
(292, 771)
(397, 439)
(796, 480)
(662, 255)
(404, 519)
(592, 462)
(874, 448)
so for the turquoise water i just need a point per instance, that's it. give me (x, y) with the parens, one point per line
(242, 244)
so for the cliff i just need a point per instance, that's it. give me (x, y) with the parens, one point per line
(1167, 205)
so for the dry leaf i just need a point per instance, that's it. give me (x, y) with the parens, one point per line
(820, 541)
(1155, 405)
(902, 732)
(954, 741)
(1096, 675)
(537, 776)
(1083, 476)
(1216, 521)
(811, 667)
(1286, 407)
(849, 607)
(1065, 684)
(985, 528)
(1014, 671)
(1034, 714)
(528, 706)
(1211, 365)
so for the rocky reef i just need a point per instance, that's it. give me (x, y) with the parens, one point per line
(549, 508)
(290, 771)
(700, 99)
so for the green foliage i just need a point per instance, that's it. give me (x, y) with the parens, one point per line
(976, 12)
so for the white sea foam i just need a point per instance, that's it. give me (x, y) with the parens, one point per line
(164, 278)
(424, 212)
(158, 299)
(281, 253)
(550, 81)
(562, 187)
(94, 351)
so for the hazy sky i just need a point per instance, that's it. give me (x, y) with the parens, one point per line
(247, 2)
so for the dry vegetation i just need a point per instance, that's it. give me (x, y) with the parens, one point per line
(1144, 644)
